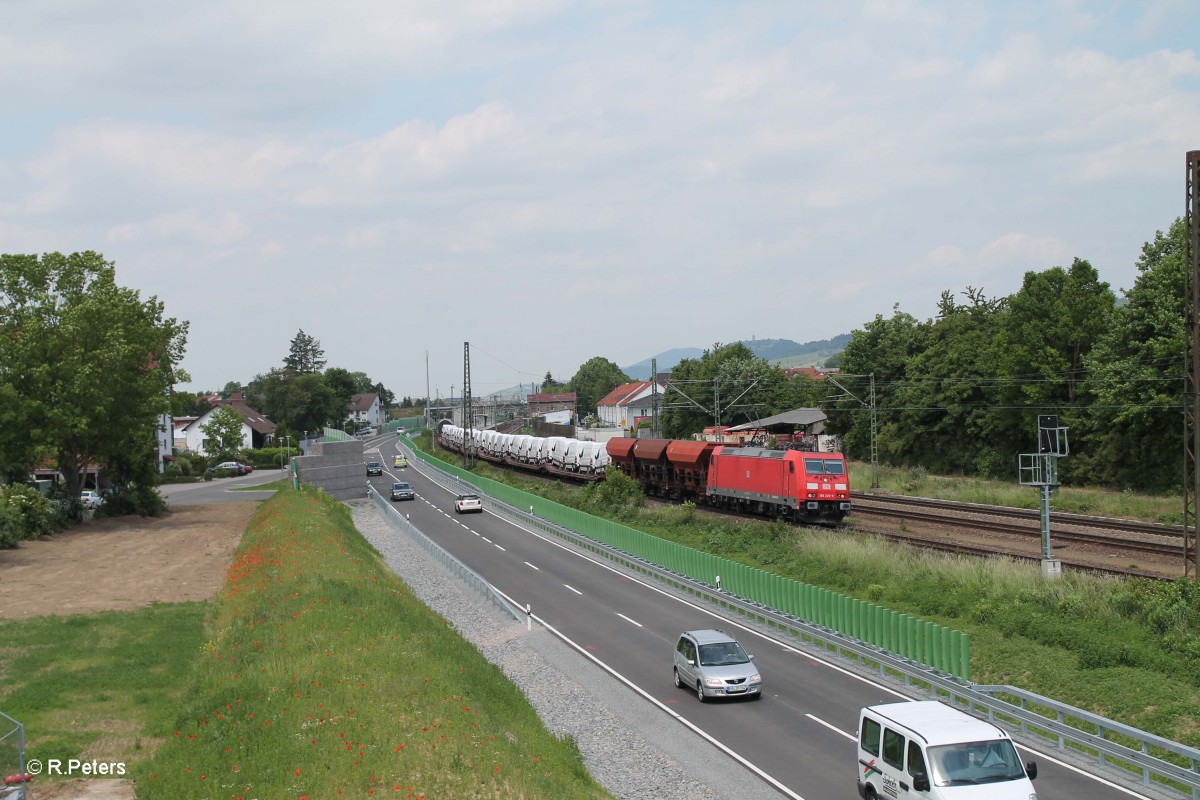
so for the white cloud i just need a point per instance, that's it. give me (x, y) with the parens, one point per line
(635, 155)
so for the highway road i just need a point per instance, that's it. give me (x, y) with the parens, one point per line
(799, 737)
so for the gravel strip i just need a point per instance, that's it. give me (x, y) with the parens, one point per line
(632, 748)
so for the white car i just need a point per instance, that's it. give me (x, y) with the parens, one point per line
(90, 498)
(466, 503)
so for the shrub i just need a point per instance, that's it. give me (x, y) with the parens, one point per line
(10, 526)
(32, 511)
(130, 498)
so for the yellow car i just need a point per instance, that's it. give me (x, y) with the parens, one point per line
(400, 462)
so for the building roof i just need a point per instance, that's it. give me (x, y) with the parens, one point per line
(560, 397)
(624, 394)
(252, 417)
(363, 402)
(797, 416)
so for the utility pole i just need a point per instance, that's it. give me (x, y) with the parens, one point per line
(468, 411)
(1191, 401)
(427, 420)
(874, 425)
(654, 397)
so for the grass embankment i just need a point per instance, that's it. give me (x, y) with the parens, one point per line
(1128, 650)
(315, 673)
(322, 675)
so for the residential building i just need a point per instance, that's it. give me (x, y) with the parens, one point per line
(545, 403)
(257, 430)
(628, 404)
(365, 409)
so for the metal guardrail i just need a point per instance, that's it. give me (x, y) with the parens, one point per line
(469, 576)
(1057, 727)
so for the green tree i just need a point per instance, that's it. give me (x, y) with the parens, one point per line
(945, 407)
(727, 378)
(1135, 376)
(301, 402)
(594, 379)
(187, 404)
(305, 355)
(86, 365)
(551, 386)
(1049, 330)
(223, 433)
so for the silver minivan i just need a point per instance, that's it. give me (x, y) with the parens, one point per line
(714, 665)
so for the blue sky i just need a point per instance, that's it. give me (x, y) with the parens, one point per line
(555, 181)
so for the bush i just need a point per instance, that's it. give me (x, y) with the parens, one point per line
(145, 501)
(30, 513)
(10, 526)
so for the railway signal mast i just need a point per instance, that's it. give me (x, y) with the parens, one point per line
(1191, 400)
(1041, 469)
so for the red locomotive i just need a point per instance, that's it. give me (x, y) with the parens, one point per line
(797, 484)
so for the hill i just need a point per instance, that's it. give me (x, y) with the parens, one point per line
(781, 352)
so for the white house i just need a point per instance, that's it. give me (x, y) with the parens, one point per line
(628, 404)
(366, 408)
(257, 430)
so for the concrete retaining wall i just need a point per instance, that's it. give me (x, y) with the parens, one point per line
(337, 468)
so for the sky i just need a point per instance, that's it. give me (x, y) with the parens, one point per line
(554, 181)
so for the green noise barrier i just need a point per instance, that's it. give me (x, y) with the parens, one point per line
(919, 640)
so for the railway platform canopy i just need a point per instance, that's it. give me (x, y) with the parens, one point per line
(812, 420)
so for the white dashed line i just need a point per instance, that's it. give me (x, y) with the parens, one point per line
(627, 619)
(531, 566)
(573, 589)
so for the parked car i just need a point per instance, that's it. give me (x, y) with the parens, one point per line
(403, 491)
(90, 498)
(466, 503)
(232, 467)
(374, 468)
(248, 468)
(713, 664)
(400, 462)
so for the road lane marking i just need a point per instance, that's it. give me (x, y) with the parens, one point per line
(833, 728)
(573, 589)
(627, 619)
(539, 569)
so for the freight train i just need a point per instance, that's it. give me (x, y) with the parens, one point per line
(800, 483)
(560, 456)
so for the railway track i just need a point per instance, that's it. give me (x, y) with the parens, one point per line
(1018, 532)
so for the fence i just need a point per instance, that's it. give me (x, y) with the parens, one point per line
(12, 759)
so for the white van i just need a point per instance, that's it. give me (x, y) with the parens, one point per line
(931, 750)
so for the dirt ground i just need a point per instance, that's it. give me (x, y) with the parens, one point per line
(128, 562)
(115, 564)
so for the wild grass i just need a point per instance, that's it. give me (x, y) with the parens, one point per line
(96, 685)
(1167, 509)
(321, 673)
(1126, 649)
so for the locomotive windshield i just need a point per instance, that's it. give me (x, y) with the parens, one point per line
(824, 466)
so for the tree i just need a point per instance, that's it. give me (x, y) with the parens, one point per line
(1134, 375)
(223, 432)
(86, 367)
(729, 378)
(594, 379)
(302, 402)
(305, 355)
(551, 386)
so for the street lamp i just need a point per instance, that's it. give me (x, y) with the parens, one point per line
(288, 441)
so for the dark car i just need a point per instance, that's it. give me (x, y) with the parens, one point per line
(374, 468)
(403, 491)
